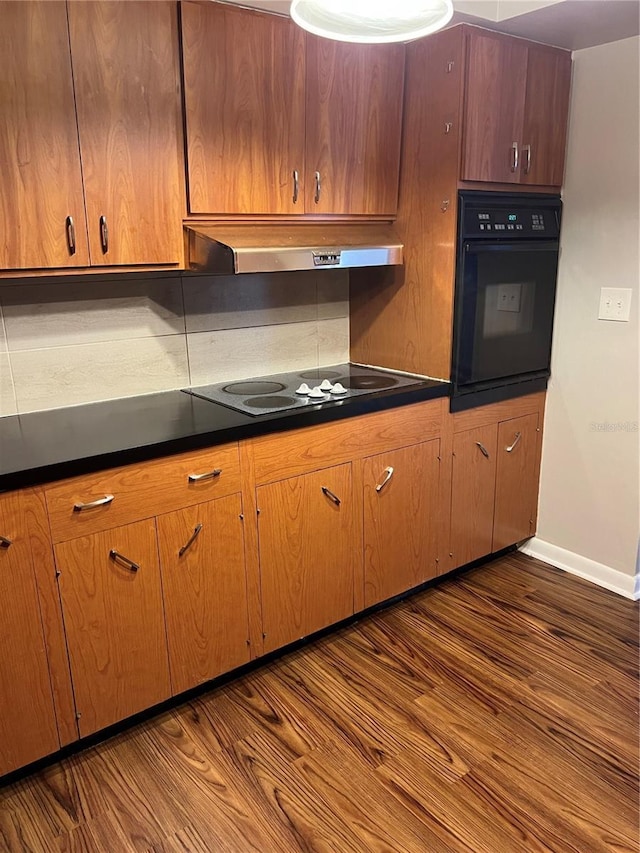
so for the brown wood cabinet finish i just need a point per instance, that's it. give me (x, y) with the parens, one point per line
(125, 70)
(353, 123)
(516, 481)
(27, 718)
(400, 520)
(205, 590)
(114, 622)
(307, 553)
(41, 173)
(473, 493)
(244, 100)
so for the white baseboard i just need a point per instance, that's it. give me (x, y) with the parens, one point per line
(598, 573)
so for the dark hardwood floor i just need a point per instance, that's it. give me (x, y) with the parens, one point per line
(494, 713)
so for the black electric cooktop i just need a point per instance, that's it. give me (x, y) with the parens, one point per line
(279, 392)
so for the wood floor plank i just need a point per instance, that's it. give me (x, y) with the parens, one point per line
(98, 834)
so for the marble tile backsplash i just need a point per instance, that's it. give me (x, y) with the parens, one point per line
(79, 341)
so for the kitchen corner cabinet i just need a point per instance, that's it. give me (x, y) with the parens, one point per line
(515, 110)
(27, 718)
(494, 481)
(400, 512)
(205, 590)
(112, 603)
(92, 133)
(307, 553)
(281, 122)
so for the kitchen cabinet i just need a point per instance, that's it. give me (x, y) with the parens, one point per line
(494, 477)
(27, 722)
(307, 553)
(515, 113)
(400, 520)
(92, 145)
(111, 596)
(205, 590)
(281, 122)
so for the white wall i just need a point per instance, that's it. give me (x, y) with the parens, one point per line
(589, 499)
(79, 340)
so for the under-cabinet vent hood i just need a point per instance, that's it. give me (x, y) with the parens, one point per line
(224, 249)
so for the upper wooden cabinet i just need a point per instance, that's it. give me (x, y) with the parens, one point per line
(91, 135)
(515, 110)
(281, 122)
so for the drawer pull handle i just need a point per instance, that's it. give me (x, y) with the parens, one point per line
(388, 474)
(104, 235)
(316, 197)
(517, 439)
(331, 496)
(5, 543)
(117, 557)
(296, 186)
(71, 235)
(514, 157)
(483, 449)
(527, 167)
(191, 540)
(209, 475)
(100, 502)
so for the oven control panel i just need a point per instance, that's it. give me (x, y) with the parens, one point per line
(510, 223)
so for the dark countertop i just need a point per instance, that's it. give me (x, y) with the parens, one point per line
(40, 447)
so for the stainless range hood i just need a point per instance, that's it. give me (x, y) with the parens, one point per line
(227, 249)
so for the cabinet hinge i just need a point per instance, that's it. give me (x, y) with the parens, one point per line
(248, 642)
(58, 573)
(241, 516)
(439, 458)
(78, 715)
(450, 65)
(257, 512)
(264, 636)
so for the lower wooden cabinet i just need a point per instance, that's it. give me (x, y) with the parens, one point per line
(27, 719)
(205, 590)
(400, 514)
(494, 478)
(112, 604)
(307, 553)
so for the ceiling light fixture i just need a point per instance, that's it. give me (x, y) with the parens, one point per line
(372, 21)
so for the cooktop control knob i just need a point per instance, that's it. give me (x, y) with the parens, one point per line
(326, 386)
(303, 390)
(317, 393)
(338, 389)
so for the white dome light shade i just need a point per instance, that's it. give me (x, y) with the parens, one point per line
(372, 21)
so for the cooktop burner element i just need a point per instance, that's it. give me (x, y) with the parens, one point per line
(244, 389)
(267, 394)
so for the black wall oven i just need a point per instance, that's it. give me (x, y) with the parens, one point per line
(506, 271)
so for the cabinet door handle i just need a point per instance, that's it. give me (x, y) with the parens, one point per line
(331, 496)
(483, 449)
(191, 540)
(517, 439)
(318, 188)
(117, 557)
(100, 502)
(71, 235)
(208, 475)
(104, 235)
(515, 159)
(527, 162)
(296, 186)
(5, 543)
(388, 474)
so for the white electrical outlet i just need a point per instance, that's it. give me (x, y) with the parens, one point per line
(615, 303)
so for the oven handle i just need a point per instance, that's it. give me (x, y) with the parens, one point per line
(485, 246)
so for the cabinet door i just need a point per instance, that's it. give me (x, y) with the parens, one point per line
(41, 177)
(473, 493)
(354, 126)
(494, 107)
(125, 69)
(27, 718)
(545, 116)
(400, 506)
(114, 622)
(205, 590)
(516, 481)
(244, 101)
(307, 553)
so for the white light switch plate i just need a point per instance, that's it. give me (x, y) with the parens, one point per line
(615, 303)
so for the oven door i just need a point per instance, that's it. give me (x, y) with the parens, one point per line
(505, 295)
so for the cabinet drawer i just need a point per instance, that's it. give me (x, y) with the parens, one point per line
(304, 450)
(141, 491)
